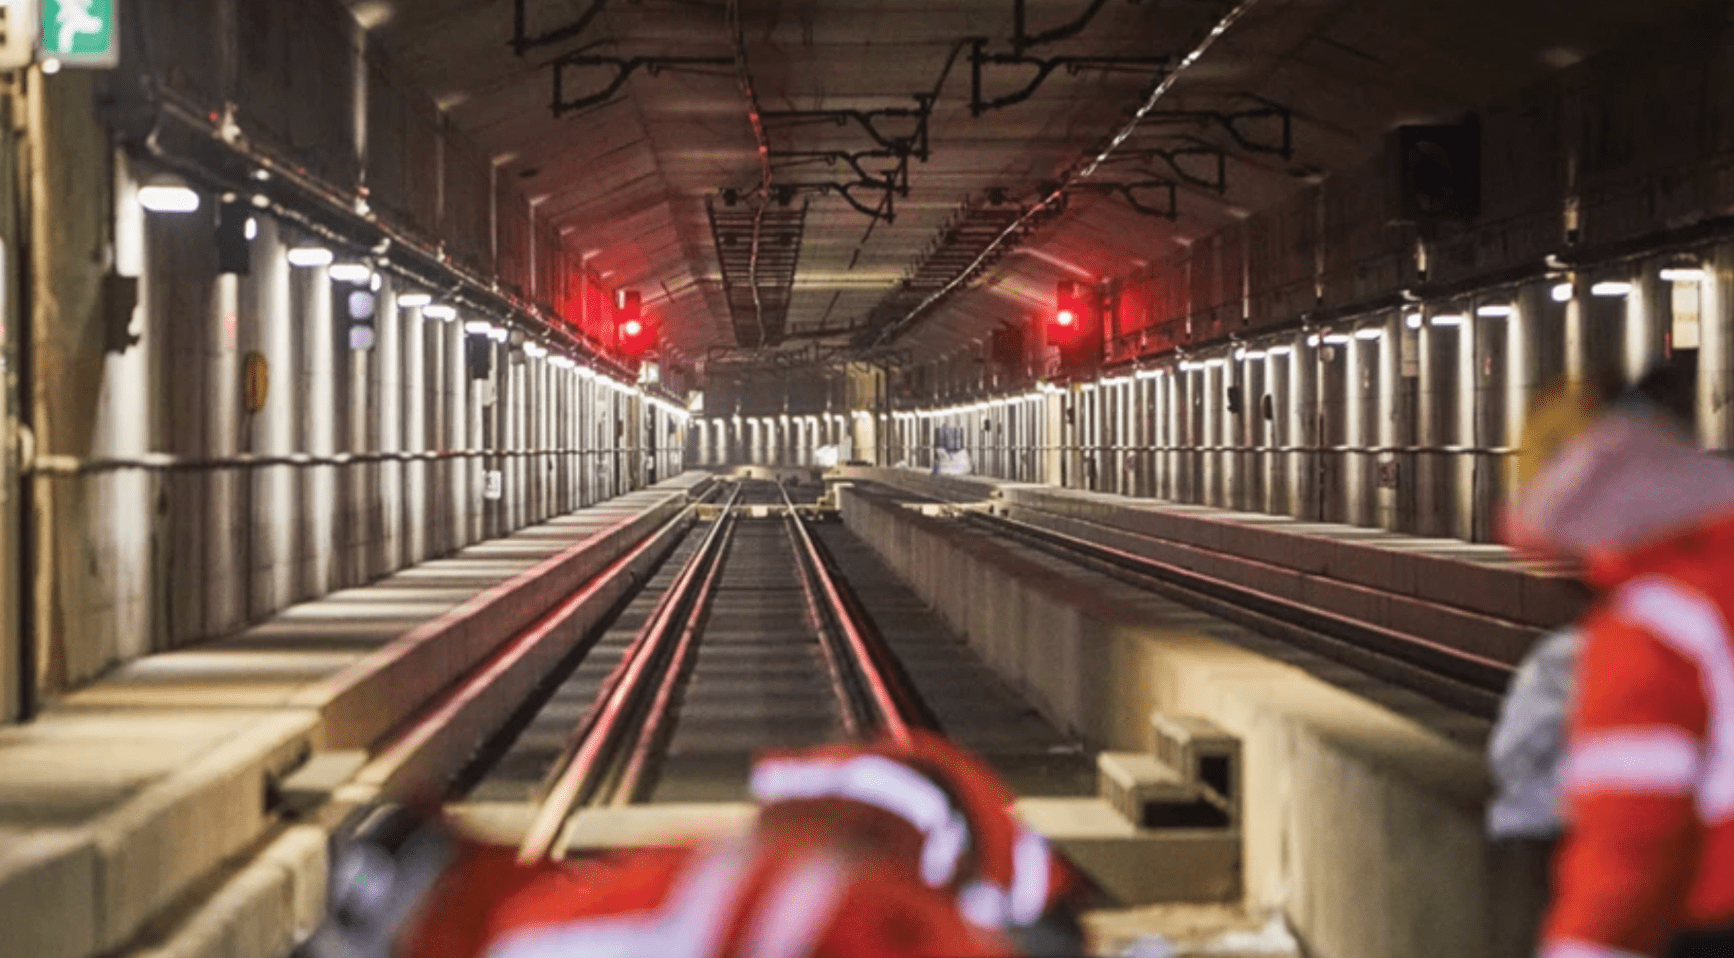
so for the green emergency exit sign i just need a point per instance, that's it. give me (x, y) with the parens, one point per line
(80, 33)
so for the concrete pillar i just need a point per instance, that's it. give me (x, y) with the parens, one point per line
(1466, 432)
(1331, 413)
(475, 439)
(360, 519)
(1437, 355)
(1360, 364)
(1274, 378)
(1715, 399)
(1388, 395)
(315, 332)
(1303, 428)
(1646, 332)
(462, 492)
(388, 425)
(415, 404)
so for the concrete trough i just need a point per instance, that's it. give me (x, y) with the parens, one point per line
(1362, 826)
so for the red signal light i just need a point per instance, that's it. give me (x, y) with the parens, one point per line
(632, 327)
(1066, 317)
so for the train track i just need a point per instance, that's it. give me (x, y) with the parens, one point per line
(745, 637)
(1461, 680)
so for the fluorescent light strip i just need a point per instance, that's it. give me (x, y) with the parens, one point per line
(168, 199)
(307, 257)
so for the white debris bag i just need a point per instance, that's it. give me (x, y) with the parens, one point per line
(1528, 743)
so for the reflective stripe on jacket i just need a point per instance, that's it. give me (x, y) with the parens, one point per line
(1649, 768)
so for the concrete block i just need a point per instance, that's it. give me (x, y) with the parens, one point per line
(1138, 867)
(159, 843)
(48, 892)
(259, 912)
(1132, 781)
(1205, 755)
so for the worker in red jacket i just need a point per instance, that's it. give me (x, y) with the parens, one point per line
(943, 816)
(1648, 863)
(407, 887)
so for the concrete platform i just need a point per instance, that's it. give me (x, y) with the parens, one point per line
(1362, 826)
(1476, 596)
(126, 795)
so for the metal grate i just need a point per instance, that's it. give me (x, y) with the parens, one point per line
(951, 256)
(760, 320)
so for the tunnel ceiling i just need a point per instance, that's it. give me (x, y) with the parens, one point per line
(631, 181)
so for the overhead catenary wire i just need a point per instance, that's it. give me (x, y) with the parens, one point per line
(1077, 174)
(737, 32)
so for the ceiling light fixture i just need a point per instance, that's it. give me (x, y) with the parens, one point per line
(442, 313)
(1281, 350)
(413, 300)
(308, 257)
(1412, 320)
(1495, 310)
(1335, 339)
(1448, 319)
(1611, 288)
(1683, 274)
(168, 198)
(1369, 333)
(1562, 292)
(351, 272)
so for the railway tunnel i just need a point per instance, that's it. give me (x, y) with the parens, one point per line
(542, 407)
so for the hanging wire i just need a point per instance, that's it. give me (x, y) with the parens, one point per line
(1078, 173)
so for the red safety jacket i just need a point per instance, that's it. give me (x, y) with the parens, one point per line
(1649, 768)
(940, 812)
(750, 898)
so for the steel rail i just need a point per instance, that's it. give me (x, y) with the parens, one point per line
(401, 748)
(657, 718)
(623, 688)
(840, 687)
(1463, 680)
(892, 719)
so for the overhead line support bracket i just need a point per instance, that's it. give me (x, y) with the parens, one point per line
(624, 67)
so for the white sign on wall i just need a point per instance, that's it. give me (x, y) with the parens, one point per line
(495, 487)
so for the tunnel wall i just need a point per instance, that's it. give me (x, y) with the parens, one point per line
(183, 515)
(1617, 164)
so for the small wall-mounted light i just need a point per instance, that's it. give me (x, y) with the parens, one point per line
(444, 314)
(1369, 333)
(308, 257)
(1562, 292)
(351, 272)
(168, 198)
(1240, 354)
(1611, 288)
(251, 230)
(1683, 274)
(1447, 319)
(1494, 311)
(413, 300)
(1412, 320)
